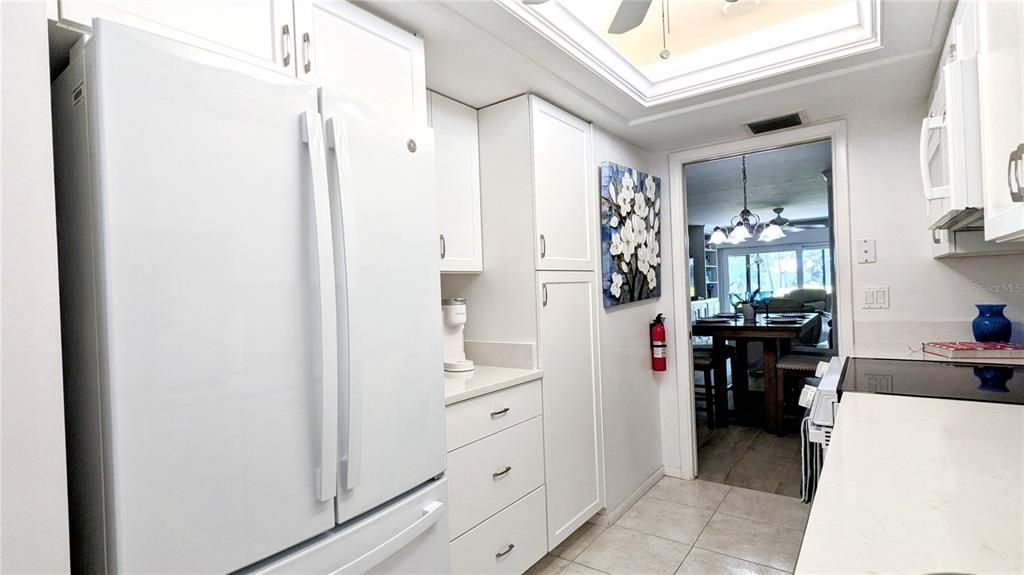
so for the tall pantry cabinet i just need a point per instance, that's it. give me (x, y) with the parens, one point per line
(538, 197)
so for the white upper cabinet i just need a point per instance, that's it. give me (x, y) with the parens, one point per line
(257, 31)
(1001, 75)
(345, 48)
(564, 200)
(567, 345)
(458, 184)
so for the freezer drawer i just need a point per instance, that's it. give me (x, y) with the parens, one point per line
(409, 535)
(509, 542)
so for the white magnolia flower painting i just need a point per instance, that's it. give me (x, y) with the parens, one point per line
(630, 234)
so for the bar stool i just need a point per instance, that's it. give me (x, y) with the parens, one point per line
(793, 364)
(704, 392)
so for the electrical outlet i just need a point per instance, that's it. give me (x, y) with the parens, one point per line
(866, 252)
(876, 298)
(880, 383)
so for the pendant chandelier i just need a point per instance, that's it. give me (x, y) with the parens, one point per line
(745, 224)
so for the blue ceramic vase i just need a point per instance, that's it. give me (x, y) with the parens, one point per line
(991, 324)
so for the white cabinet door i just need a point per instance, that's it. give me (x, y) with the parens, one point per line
(258, 31)
(565, 203)
(1001, 75)
(349, 50)
(572, 401)
(458, 184)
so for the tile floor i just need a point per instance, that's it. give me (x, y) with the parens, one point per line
(688, 527)
(751, 458)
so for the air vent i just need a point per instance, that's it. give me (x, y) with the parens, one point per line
(777, 123)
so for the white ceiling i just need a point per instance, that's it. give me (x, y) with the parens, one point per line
(479, 53)
(789, 178)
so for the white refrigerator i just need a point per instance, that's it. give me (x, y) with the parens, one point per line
(250, 310)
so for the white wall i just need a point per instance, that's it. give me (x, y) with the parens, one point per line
(630, 390)
(33, 483)
(930, 299)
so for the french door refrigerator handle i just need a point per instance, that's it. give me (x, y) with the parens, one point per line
(327, 478)
(350, 468)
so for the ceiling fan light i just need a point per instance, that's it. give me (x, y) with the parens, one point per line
(771, 232)
(739, 233)
(718, 237)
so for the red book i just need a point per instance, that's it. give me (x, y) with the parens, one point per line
(975, 350)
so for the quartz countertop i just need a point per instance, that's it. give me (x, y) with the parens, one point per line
(919, 485)
(897, 351)
(483, 380)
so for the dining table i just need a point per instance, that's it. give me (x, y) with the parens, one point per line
(775, 331)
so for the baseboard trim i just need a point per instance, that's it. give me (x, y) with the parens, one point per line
(604, 518)
(674, 472)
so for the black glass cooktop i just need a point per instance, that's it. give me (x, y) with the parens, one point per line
(992, 382)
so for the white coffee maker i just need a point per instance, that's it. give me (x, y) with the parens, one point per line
(454, 314)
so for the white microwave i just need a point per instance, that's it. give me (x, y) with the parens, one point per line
(951, 134)
(951, 149)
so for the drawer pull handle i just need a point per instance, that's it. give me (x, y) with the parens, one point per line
(507, 550)
(500, 412)
(501, 473)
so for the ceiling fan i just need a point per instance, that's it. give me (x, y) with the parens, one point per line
(788, 225)
(631, 13)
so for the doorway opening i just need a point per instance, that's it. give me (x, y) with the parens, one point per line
(761, 225)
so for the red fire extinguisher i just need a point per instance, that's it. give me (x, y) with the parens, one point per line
(658, 345)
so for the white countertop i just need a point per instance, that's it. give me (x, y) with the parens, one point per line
(483, 380)
(897, 351)
(916, 485)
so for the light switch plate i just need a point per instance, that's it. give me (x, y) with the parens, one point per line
(866, 252)
(876, 297)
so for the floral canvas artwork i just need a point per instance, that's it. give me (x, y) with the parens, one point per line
(630, 234)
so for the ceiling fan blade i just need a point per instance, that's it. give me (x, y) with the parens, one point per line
(631, 13)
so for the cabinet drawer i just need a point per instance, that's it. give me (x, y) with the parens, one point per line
(487, 476)
(518, 532)
(488, 414)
